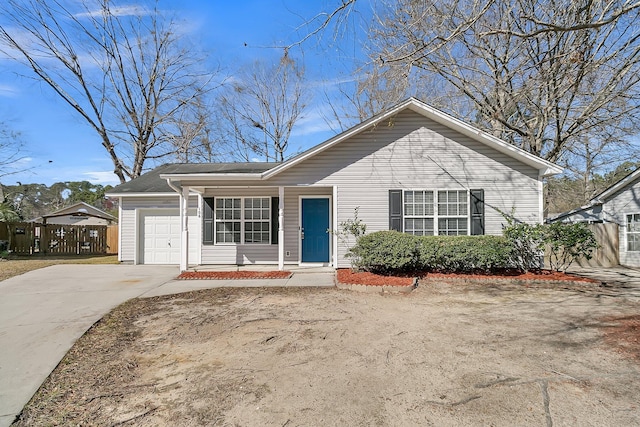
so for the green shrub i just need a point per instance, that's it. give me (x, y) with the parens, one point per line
(385, 252)
(568, 242)
(565, 243)
(463, 254)
(391, 252)
(527, 243)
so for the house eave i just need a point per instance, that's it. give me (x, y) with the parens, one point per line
(163, 194)
(545, 167)
(600, 198)
(174, 177)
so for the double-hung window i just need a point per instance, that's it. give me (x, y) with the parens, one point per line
(256, 220)
(633, 232)
(242, 220)
(419, 212)
(452, 213)
(428, 212)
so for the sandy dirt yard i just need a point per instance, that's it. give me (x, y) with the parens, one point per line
(442, 355)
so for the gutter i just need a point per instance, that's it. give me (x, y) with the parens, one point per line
(173, 187)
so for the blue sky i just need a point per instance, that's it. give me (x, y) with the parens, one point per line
(59, 146)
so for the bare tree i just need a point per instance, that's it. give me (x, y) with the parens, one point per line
(542, 75)
(259, 109)
(11, 151)
(123, 69)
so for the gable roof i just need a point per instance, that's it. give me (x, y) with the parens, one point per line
(621, 184)
(602, 197)
(154, 182)
(545, 167)
(77, 209)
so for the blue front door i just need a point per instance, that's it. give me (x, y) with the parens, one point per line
(315, 230)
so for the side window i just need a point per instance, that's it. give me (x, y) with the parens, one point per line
(633, 232)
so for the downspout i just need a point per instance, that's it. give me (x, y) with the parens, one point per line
(173, 187)
(184, 227)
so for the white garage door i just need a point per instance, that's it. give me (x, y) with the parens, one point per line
(160, 237)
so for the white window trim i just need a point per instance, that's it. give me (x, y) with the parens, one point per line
(241, 220)
(436, 214)
(626, 231)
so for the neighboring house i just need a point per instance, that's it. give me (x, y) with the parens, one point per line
(618, 204)
(411, 168)
(79, 213)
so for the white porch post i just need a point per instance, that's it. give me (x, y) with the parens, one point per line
(334, 226)
(184, 235)
(280, 228)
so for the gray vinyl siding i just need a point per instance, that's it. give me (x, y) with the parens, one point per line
(626, 201)
(127, 221)
(412, 152)
(259, 253)
(405, 152)
(589, 214)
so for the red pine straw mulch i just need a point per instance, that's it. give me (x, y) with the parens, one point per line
(516, 275)
(624, 335)
(347, 276)
(209, 275)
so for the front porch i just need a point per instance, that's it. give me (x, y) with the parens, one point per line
(258, 227)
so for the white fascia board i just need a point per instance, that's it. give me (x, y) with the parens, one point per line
(545, 167)
(141, 194)
(333, 141)
(617, 186)
(211, 176)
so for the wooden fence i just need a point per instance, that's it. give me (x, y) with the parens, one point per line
(112, 239)
(607, 254)
(608, 250)
(28, 238)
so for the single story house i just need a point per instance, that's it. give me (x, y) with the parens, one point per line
(412, 168)
(80, 213)
(618, 204)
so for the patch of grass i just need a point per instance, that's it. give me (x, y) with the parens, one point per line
(20, 265)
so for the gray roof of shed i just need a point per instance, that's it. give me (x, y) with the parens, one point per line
(151, 182)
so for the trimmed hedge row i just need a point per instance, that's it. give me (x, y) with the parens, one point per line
(387, 252)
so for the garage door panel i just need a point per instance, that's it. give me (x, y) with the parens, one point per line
(162, 237)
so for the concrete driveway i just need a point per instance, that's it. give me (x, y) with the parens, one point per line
(43, 312)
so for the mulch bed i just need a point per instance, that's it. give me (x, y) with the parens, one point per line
(233, 275)
(544, 275)
(346, 276)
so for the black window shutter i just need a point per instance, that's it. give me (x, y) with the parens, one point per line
(207, 221)
(275, 203)
(395, 210)
(477, 212)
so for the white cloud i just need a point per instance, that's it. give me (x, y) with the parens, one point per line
(102, 177)
(131, 10)
(22, 162)
(315, 122)
(9, 91)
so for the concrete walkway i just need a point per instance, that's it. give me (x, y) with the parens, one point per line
(610, 275)
(619, 281)
(302, 276)
(44, 312)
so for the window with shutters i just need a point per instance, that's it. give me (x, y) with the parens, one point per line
(428, 212)
(241, 220)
